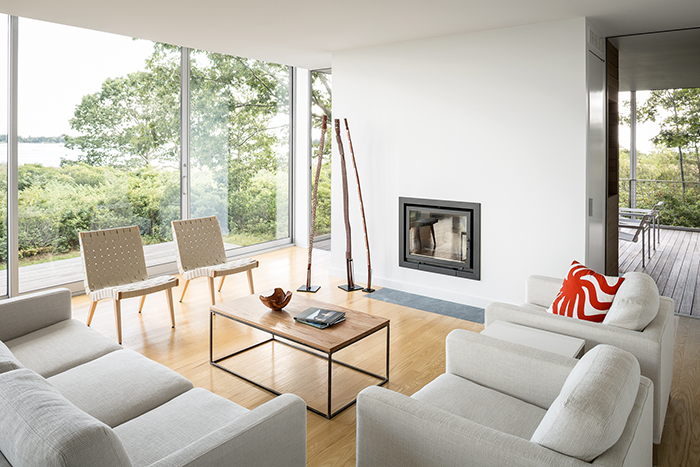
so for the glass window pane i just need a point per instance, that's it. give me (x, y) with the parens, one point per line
(98, 148)
(4, 29)
(239, 146)
(321, 104)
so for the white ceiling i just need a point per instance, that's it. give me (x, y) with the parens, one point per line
(306, 33)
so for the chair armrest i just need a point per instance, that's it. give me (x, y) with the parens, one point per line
(394, 430)
(532, 375)
(29, 313)
(271, 434)
(542, 290)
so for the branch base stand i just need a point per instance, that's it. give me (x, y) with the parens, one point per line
(311, 289)
(349, 288)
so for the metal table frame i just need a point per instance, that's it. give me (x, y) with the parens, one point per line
(304, 348)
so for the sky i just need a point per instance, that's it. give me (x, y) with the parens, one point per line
(58, 65)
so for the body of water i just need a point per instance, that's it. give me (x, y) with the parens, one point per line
(46, 154)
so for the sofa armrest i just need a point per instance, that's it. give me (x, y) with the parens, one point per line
(271, 434)
(397, 430)
(532, 375)
(542, 290)
(29, 313)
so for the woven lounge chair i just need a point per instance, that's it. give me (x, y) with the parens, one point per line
(115, 267)
(200, 252)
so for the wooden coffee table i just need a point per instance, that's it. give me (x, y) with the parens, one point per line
(283, 329)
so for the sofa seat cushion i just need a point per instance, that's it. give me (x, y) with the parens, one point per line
(59, 347)
(482, 405)
(175, 424)
(41, 428)
(592, 409)
(119, 386)
(8, 362)
(636, 303)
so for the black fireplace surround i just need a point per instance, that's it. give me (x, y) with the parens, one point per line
(440, 236)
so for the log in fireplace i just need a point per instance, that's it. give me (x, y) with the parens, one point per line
(440, 236)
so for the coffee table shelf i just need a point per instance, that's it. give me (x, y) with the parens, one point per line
(322, 343)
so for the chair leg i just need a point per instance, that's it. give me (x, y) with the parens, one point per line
(169, 293)
(221, 284)
(184, 289)
(143, 300)
(249, 273)
(91, 313)
(211, 290)
(118, 319)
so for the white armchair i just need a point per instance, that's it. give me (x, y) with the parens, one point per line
(652, 346)
(493, 400)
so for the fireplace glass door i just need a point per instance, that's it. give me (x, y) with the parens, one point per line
(439, 235)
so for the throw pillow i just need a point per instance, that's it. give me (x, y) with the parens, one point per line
(41, 427)
(585, 294)
(590, 413)
(636, 302)
(8, 362)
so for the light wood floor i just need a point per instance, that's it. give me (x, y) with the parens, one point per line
(674, 265)
(417, 354)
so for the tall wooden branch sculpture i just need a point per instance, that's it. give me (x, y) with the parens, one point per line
(369, 288)
(350, 286)
(314, 203)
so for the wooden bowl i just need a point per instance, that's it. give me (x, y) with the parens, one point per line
(277, 300)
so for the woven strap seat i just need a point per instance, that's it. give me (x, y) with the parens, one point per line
(231, 267)
(136, 289)
(201, 253)
(115, 268)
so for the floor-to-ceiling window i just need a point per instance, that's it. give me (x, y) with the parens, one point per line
(240, 146)
(98, 143)
(4, 48)
(100, 124)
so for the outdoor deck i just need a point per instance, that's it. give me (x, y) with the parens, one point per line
(674, 265)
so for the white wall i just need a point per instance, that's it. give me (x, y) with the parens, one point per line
(495, 117)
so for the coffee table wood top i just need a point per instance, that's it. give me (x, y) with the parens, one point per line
(251, 311)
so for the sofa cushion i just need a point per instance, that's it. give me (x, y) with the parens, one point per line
(172, 426)
(636, 302)
(592, 409)
(60, 347)
(41, 428)
(585, 294)
(8, 362)
(119, 386)
(482, 405)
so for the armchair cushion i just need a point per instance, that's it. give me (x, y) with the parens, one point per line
(8, 362)
(592, 409)
(636, 302)
(482, 405)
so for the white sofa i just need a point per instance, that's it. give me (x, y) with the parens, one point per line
(71, 397)
(500, 404)
(653, 346)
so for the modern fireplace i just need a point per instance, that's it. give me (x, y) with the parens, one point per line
(440, 236)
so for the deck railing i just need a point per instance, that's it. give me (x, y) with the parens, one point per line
(681, 199)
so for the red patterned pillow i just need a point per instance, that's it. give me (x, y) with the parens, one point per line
(585, 294)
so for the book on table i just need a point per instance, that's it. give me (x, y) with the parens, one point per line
(320, 317)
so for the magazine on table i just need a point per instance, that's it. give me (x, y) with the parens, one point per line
(320, 317)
